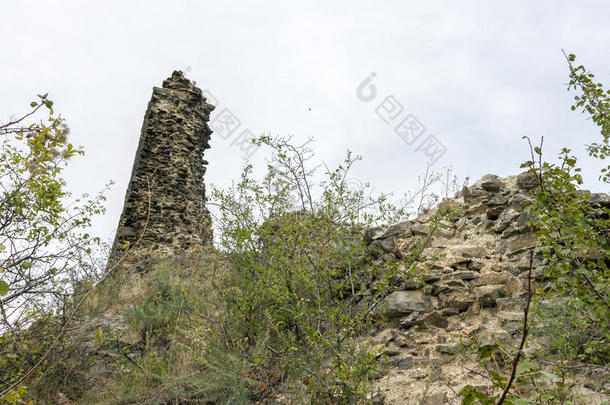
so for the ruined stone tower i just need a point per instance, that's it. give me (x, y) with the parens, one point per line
(170, 161)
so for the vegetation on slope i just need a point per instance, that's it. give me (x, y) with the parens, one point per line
(280, 307)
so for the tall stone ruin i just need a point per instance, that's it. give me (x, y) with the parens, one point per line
(169, 163)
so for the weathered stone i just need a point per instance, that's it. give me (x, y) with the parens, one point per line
(522, 222)
(493, 213)
(420, 229)
(473, 251)
(474, 266)
(169, 167)
(374, 233)
(475, 211)
(509, 316)
(498, 200)
(449, 311)
(488, 294)
(385, 245)
(461, 275)
(435, 399)
(378, 399)
(425, 320)
(510, 231)
(527, 181)
(432, 276)
(492, 184)
(472, 196)
(446, 349)
(509, 304)
(433, 319)
(410, 285)
(459, 300)
(397, 230)
(403, 341)
(459, 262)
(391, 351)
(488, 279)
(446, 285)
(410, 320)
(524, 263)
(402, 303)
(405, 363)
(501, 225)
(521, 244)
(385, 337)
(512, 269)
(518, 201)
(419, 373)
(600, 199)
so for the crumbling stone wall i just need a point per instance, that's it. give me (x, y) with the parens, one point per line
(169, 161)
(470, 280)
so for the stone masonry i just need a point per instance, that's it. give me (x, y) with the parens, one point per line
(169, 157)
(470, 282)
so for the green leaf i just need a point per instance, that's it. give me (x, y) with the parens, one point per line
(550, 376)
(3, 288)
(524, 367)
(99, 336)
(485, 351)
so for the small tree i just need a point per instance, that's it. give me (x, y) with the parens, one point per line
(573, 306)
(296, 301)
(44, 244)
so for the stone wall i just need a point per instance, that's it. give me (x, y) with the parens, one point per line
(169, 163)
(470, 282)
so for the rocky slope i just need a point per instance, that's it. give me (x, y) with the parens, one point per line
(473, 272)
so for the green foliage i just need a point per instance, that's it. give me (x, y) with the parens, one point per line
(179, 357)
(572, 308)
(573, 235)
(595, 101)
(160, 313)
(279, 307)
(44, 244)
(15, 396)
(294, 301)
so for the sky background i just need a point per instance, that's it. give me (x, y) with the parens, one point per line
(479, 75)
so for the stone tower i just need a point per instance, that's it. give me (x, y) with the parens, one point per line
(174, 136)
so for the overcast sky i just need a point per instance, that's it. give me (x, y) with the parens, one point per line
(478, 75)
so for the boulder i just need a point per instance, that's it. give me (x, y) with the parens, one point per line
(527, 181)
(420, 229)
(426, 320)
(600, 199)
(492, 183)
(493, 213)
(459, 300)
(488, 294)
(489, 279)
(473, 251)
(402, 303)
(522, 222)
(374, 233)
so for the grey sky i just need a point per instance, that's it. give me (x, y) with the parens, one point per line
(478, 74)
